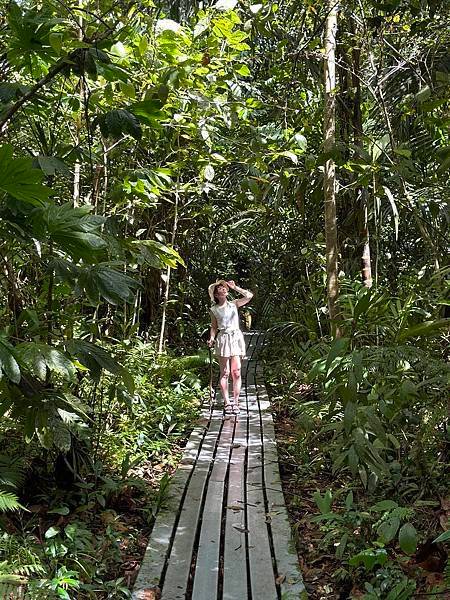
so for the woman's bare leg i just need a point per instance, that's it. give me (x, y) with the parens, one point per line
(236, 375)
(224, 364)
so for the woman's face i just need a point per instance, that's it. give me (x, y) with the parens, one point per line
(221, 291)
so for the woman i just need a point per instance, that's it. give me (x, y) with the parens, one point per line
(226, 334)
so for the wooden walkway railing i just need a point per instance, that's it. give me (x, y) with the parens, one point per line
(224, 532)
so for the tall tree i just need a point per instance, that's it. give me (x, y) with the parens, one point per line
(329, 180)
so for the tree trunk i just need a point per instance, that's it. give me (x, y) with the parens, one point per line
(162, 335)
(329, 184)
(366, 266)
(78, 123)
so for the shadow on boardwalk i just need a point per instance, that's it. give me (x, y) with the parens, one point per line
(224, 533)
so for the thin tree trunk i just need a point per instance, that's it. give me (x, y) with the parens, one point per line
(366, 270)
(366, 266)
(162, 335)
(329, 184)
(78, 124)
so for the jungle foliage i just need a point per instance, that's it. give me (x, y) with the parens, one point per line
(148, 147)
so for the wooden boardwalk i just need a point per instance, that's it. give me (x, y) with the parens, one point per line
(224, 532)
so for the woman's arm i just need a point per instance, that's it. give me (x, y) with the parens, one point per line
(212, 331)
(247, 295)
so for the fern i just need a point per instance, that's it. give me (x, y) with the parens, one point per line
(12, 472)
(22, 556)
(9, 501)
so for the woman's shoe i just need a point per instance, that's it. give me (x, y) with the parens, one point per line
(229, 409)
(236, 410)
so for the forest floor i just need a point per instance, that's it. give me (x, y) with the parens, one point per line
(316, 567)
(320, 568)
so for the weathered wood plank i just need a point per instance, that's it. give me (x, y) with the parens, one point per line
(257, 549)
(179, 562)
(234, 562)
(285, 554)
(262, 579)
(157, 550)
(206, 578)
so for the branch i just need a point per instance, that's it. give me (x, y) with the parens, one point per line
(53, 72)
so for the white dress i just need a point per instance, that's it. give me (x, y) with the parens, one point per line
(230, 339)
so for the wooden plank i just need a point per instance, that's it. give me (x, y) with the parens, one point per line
(235, 564)
(262, 579)
(179, 561)
(159, 543)
(206, 576)
(285, 553)
(270, 553)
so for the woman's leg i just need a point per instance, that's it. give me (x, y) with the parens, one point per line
(224, 364)
(236, 375)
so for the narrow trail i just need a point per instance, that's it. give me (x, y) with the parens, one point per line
(224, 532)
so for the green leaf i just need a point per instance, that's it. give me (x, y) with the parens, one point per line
(338, 348)
(148, 111)
(119, 122)
(157, 254)
(243, 70)
(323, 502)
(8, 363)
(362, 304)
(96, 358)
(300, 141)
(209, 172)
(127, 89)
(424, 329)
(19, 179)
(444, 537)
(407, 538)
(349, 500)
(11, 91)
(51, 532)
(395, 214)
(353, 460)
(9, 501)
(387, 530)
(12, 471)
(74, 230)
(51, 165)
(288, 154)
(41, 357)
(56, 41)
(349, 416)
(60, 510)
(340, 548)
(62, 438)
(369, 557)
(101, 281)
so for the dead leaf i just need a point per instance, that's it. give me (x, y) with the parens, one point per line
(235, 507)
(148, 594)
(445, 503)
(37, 508)
(444, 521)
(435, 578)
(239, 528)
(280, 579)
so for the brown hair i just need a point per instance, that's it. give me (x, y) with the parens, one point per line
(215, 288)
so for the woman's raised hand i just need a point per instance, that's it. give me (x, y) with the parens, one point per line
(231, 284)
